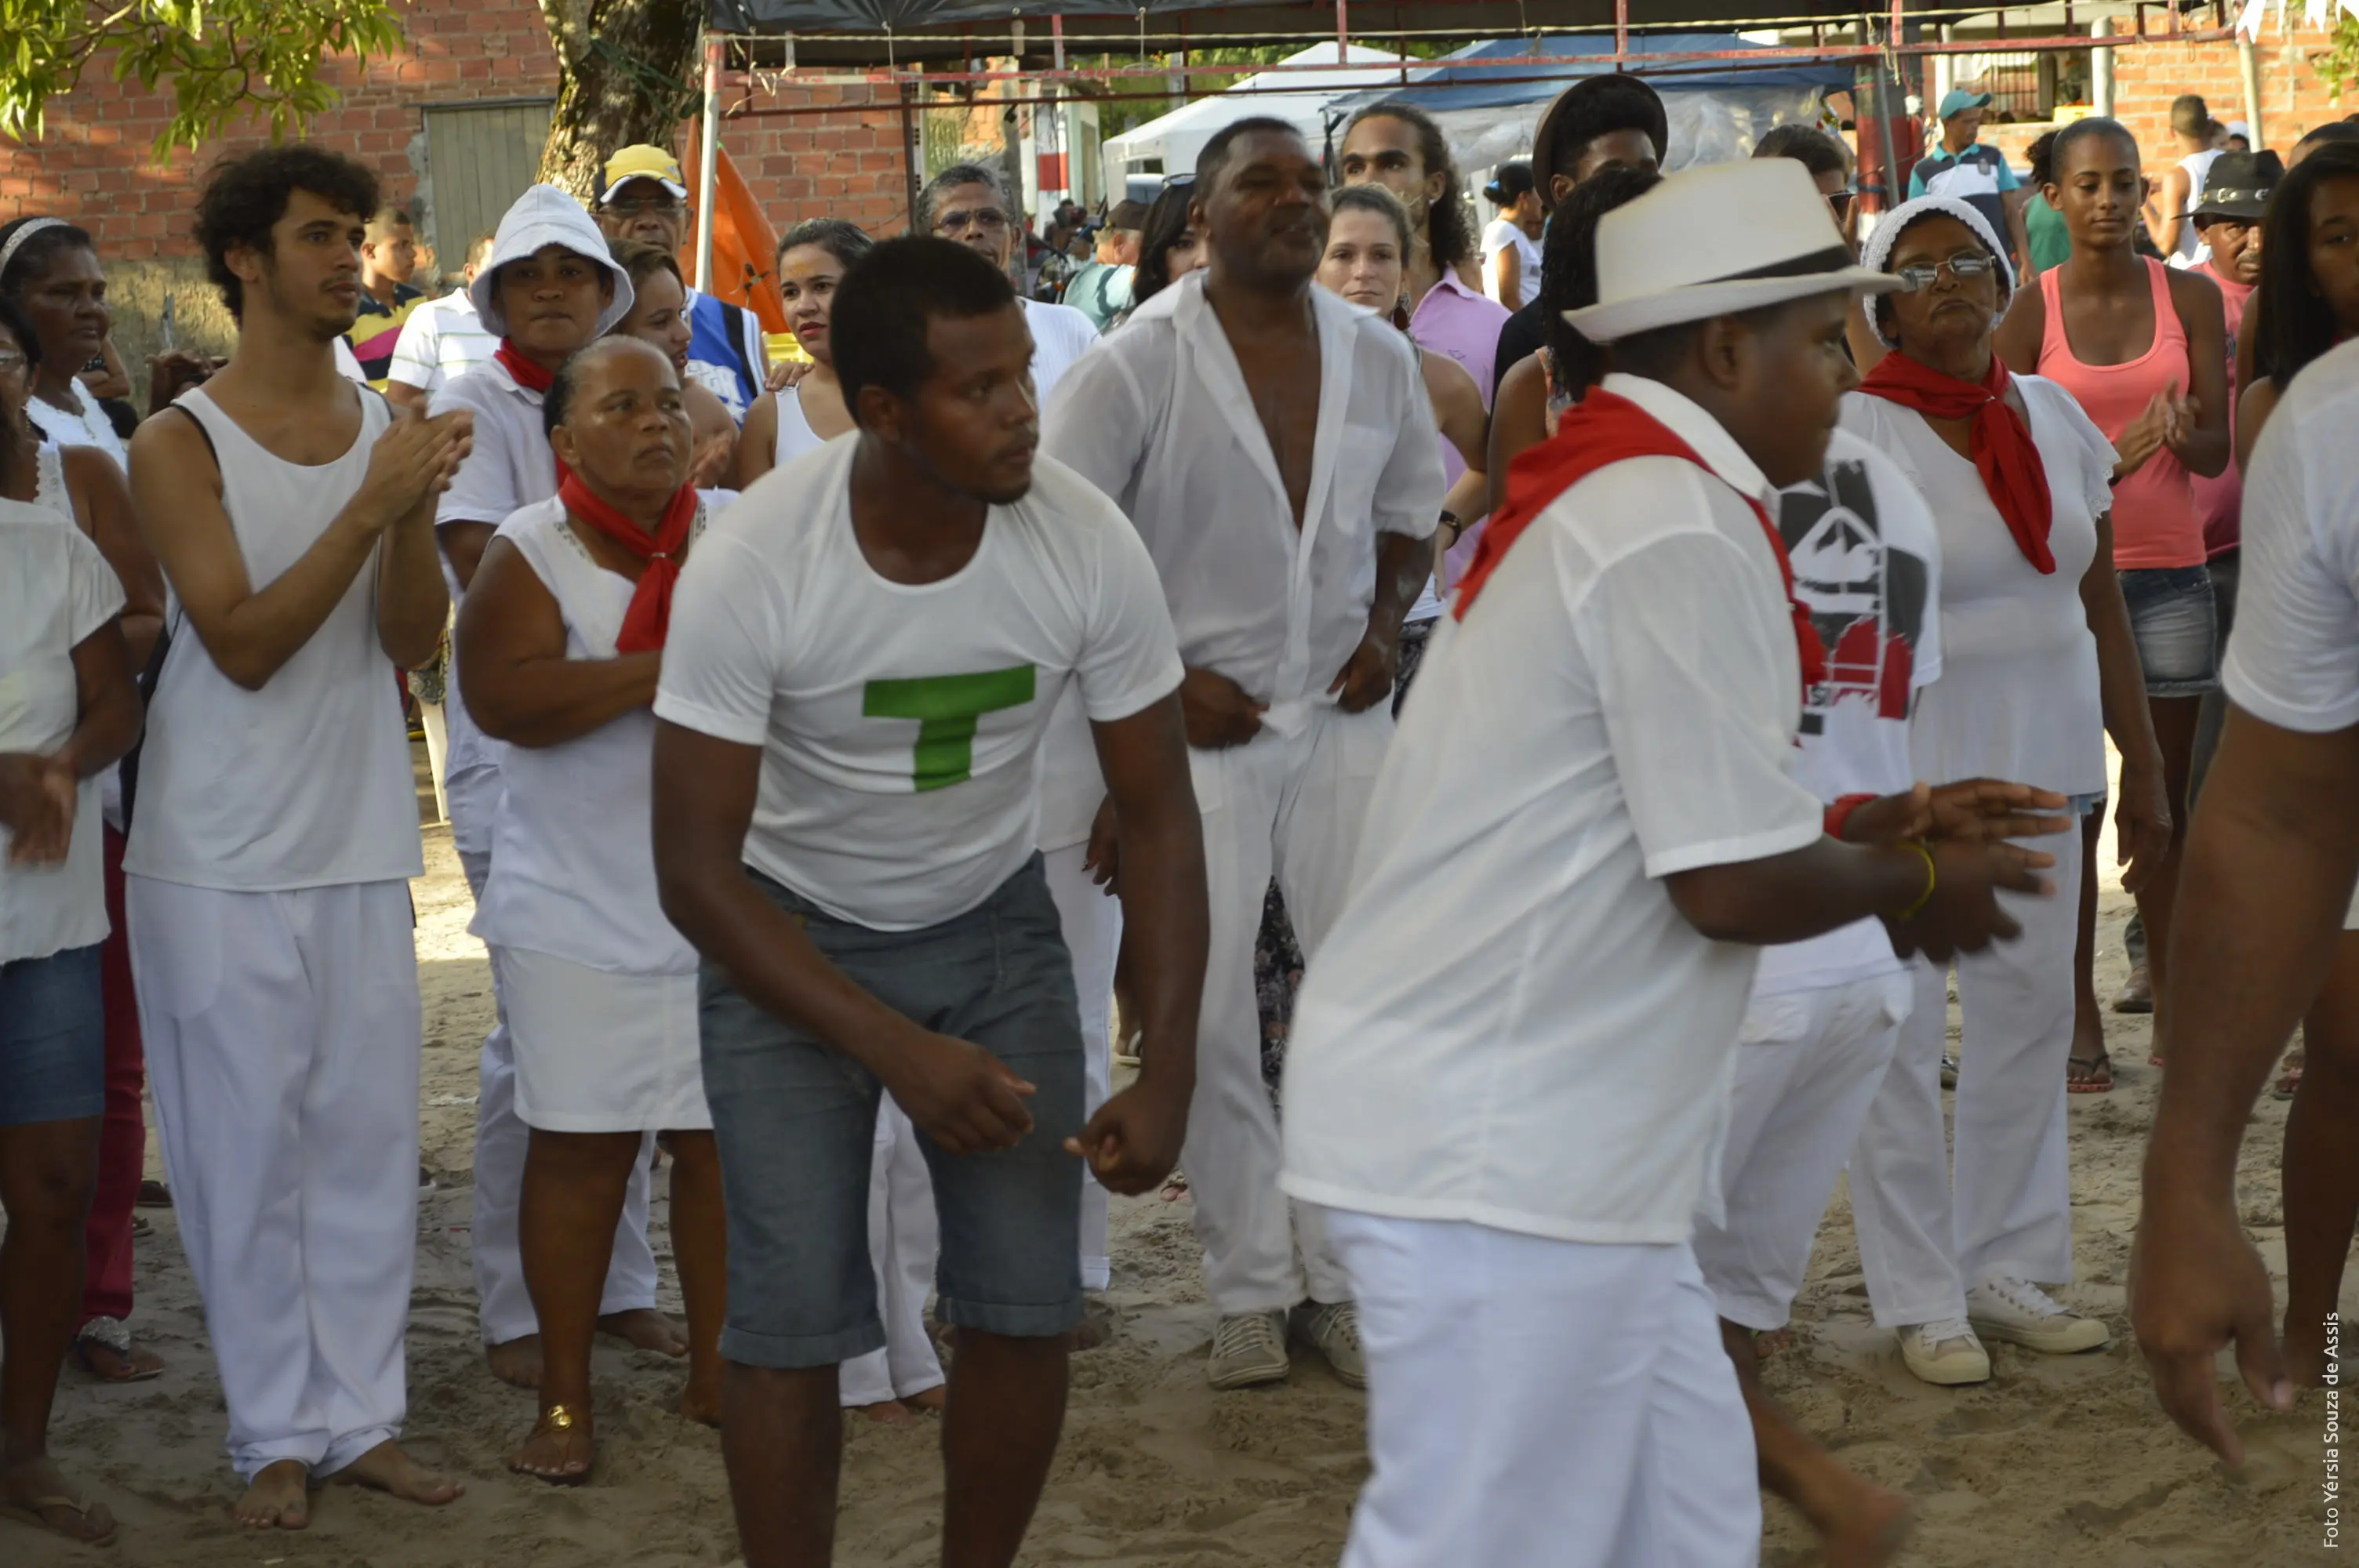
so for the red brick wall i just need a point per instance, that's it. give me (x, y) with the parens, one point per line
(2148, 76)
(94, 166)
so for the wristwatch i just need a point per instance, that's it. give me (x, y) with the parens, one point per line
(1450, 520)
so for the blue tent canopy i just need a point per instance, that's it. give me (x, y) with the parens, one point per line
(1462, 81)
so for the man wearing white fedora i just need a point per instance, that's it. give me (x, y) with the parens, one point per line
(1510, 1062)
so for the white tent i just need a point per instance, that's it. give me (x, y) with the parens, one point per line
(1296, 96)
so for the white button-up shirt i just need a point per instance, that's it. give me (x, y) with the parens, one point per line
(1510, 1023)
(1159, 417)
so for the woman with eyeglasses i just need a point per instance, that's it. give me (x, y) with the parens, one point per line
(2038, 664)
(2143, 347)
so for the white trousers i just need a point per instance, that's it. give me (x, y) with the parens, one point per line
(1807, 1063)
(283, 1034)
(1092, 923)
(1925, 1238)
(504, 1306)
(1292, 806)
(1534, 1402)
(903, 1238)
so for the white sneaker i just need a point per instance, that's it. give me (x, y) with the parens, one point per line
(1944, 1353)
(1249, 1349)
(1333, 1330)
(2016, 1312)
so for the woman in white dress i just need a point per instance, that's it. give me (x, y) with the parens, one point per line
(813, 259)
(561, 641)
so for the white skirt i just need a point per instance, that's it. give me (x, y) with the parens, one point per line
(599, 1051)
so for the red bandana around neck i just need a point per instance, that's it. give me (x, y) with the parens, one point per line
(1601, 430)
(527, 373)
(2003, 452)
(647, 621)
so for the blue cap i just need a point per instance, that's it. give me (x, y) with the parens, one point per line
(1958, 99)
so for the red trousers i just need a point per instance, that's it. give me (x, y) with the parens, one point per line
(123, 1135)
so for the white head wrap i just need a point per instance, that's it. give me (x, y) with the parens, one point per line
(1876, 255)
(545, 215)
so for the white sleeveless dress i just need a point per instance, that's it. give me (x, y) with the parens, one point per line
(599, 988)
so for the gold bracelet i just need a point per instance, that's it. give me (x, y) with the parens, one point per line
(1931, 876)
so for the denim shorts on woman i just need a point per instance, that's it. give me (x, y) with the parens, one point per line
(52, 1039)
(796, 1120)
(2176, 626)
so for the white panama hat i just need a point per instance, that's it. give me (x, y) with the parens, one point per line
(1715, 241)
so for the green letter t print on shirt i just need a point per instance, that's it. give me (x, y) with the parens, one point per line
(946, 708)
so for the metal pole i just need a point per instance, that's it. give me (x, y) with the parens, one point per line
(706, 174)
(2248, 58)
(1342, 31)
(1621, 32)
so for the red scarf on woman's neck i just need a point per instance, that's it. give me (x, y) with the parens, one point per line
(1604, 428)
(647, 621)
(530, 375)
(2003, 452)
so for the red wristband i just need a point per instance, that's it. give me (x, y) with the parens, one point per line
(1839, 812)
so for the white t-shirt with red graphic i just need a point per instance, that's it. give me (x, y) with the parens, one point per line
(1867, 562)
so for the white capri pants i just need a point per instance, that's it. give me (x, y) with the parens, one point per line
(1543, 1403)
(283, 1034)
(502, 1305)
(1291, 803)
(1924, 1240)
(1807, 1063)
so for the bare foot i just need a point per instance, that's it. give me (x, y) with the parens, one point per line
(1873, 1526)
(647, 1329)
(386, 1468)
(931, 1401)
(701, 1405)
(555, 1453)
(516, 1362)
(1772, 1342)
(892, 1412)
(2304, 1348)
(37, 1490)
(278, 1497)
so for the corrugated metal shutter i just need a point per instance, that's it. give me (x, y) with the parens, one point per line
(480, 158)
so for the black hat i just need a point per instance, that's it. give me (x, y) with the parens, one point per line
(2238, 185)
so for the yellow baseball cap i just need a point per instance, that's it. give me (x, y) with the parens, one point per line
(642, 162)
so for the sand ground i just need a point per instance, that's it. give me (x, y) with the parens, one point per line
(2054, 1461)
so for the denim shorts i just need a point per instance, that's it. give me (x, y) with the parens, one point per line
(52, 1039)
(2176, 626)
(796, 1125)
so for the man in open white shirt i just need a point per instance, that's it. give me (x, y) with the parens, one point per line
(2268, 887)
(864, 654)
(1509, 1068)
(1275, 448)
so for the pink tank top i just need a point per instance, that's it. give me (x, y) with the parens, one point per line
(2155, 523)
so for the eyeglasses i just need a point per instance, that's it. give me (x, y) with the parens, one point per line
(957, 222)
(1960, 267)
(1841, 200)
(1171, 181)
(12, 363)
(641, 206)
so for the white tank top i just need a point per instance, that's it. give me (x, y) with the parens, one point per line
(795, 434)
(2192, 250)
(305, 782)
(573, 863)
(86, 425)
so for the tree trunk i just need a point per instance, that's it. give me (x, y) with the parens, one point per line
(625, 74)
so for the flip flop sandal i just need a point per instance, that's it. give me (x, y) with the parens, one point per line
(33, 1511)
(2289, 1080)
(113, 1337)
(142, 1226)
(2098, 1072)
(1174, 1187)
(155, 1195)
(555, 1419)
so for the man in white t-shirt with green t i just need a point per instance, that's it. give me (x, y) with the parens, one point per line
(866, 651)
